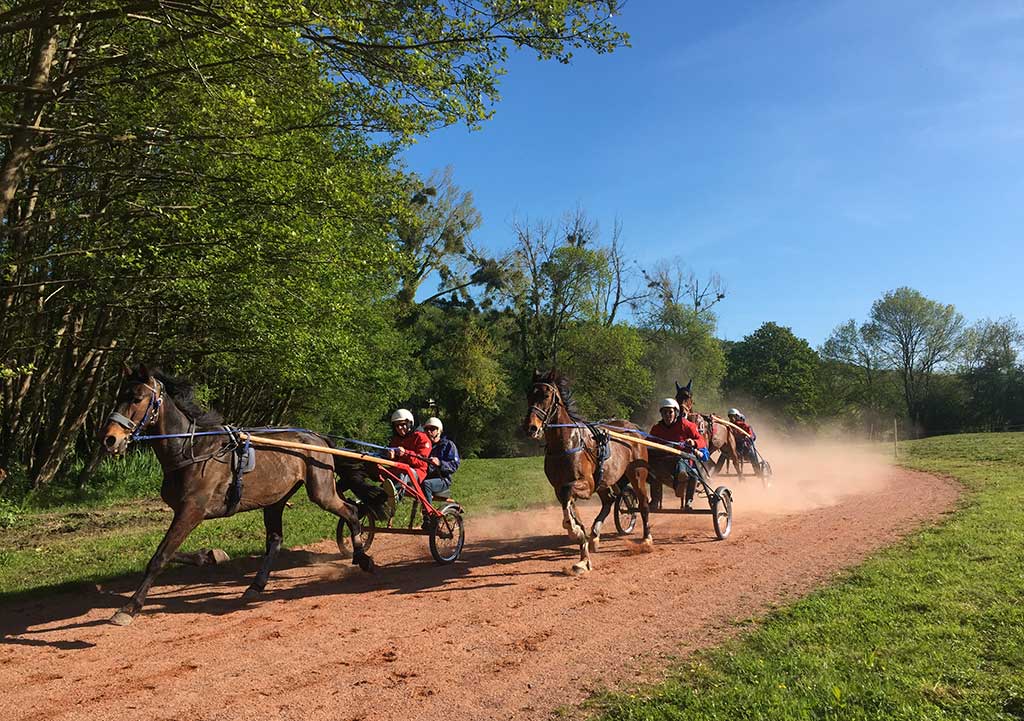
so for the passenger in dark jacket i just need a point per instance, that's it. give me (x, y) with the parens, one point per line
(443, 462)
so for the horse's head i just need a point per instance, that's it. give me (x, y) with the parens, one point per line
(684, 396)
(138, 407)
(544, 399)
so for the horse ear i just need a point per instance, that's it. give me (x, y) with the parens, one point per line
(678, 387)
(689, 385)
(143, 371)
(536, 375)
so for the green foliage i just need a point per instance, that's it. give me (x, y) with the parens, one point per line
(10, 512)
(606, 363)
(221, 196)
(775, 369)
(931, 629)
(915, 336)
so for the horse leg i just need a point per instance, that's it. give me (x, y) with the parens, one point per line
(595, 529)
(323, 493)
(185, 521)
(639, 484)
(583, 565)
(273, 522)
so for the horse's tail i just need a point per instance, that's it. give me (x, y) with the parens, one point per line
(355, 476)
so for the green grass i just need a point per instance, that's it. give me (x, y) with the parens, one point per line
(930, 629)
(96, 541)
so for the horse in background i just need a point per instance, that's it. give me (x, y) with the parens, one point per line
(576, 465)
(718, 435)
(200, 480)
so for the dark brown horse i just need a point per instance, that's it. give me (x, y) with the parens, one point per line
(718, 435)
(198, 478)
(572, 466)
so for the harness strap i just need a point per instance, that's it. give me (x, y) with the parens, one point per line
(240, 449)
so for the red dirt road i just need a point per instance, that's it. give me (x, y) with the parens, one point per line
(502, 634)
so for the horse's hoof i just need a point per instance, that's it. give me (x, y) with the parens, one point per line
(594, 544)
(579, 568)
(364, 562)
(252, 593)
(122, 619)
(217, 555)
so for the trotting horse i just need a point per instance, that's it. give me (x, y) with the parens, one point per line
(199, 482)
(718, 435)
(572, 465)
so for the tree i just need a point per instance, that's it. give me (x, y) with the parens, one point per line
(214, 182)
(775, 368)
(915, 336)
(555, 277)
(434, 238)
(606, 365)
(993, 375)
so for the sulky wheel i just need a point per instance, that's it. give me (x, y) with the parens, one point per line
(625, 511)
(447, 535)
(366, 527)
(721, 512)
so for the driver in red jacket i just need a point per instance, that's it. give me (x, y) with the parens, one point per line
(408, 446)
(675, 428)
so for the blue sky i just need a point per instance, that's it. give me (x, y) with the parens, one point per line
(814, 154)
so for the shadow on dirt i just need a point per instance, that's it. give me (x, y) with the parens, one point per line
(216, 590)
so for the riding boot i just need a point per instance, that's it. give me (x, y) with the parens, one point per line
(656, 494)
(691, 486)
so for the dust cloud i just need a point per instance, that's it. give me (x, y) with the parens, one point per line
(810, 474)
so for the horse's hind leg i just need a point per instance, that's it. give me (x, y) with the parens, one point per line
(323, 493)
(595, 529)
(639, 482)
(185, 521)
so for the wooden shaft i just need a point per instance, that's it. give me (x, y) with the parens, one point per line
(322, 449)
(731, 425)
(643, 442)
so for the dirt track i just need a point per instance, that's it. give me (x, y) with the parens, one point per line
(502, 634)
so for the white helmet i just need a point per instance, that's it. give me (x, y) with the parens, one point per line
(735, 412)
(401, 415)
(433, 422)
(669, 403)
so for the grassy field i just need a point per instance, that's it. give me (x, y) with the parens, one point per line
(98, 539)
(931, 629)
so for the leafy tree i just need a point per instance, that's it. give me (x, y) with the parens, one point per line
(775, 368)
(915, 336)
(555, 278)
(993, 375)
(606, 363)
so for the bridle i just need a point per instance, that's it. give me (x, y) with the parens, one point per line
(156, 399)
(545, 413)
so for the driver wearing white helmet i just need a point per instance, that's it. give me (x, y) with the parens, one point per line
(676, 429)
(408, 446)
(443, 462)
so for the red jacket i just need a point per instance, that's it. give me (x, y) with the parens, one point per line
(746, 426)
(413, 450)
(681, 430)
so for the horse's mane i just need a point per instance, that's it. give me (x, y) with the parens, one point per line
(182, 392)
(562, 384)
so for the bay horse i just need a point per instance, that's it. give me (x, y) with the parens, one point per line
(718, 435)
(199, 481)
(571, 461)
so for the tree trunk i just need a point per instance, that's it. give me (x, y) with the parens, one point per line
(30, 115)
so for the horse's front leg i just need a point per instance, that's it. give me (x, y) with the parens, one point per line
(595, 529)
(273, 521)
(185, 521)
